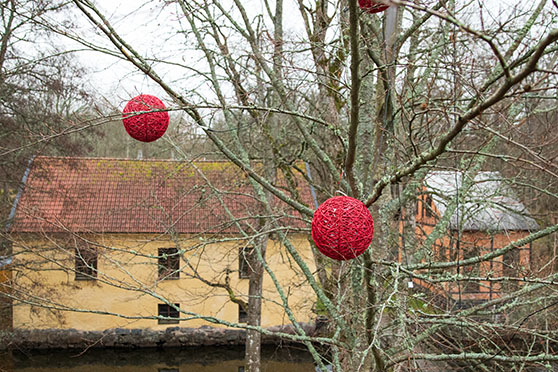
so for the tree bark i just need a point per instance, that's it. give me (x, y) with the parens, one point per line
(253, 338)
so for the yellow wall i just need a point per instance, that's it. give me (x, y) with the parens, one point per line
(128, 284)
(5, 274)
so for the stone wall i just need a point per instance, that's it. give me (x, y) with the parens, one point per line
(137, 338)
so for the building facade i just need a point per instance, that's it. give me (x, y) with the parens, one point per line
(111, 243)
(483, 217)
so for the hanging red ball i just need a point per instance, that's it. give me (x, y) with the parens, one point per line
(372, 6)
(342, 228)
(149, 126)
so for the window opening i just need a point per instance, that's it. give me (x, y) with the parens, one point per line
(169, 263)
(168, 311)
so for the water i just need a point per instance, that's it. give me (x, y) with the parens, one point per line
(206, 359)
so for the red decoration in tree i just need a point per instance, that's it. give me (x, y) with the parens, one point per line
(372, 6)
(342, 228)
(149, 126)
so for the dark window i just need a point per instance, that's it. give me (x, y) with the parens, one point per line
(427, 207)
(511, 270)
(452, 248)
(240, 369)
(397, 214)
(244, 256)
(242, 315)
(169, 263)
(440, 251)
(86, 263)
(168, 311)
(471, 286)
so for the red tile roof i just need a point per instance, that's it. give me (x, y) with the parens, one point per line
(137, 196)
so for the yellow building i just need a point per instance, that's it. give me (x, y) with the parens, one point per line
(143, 244)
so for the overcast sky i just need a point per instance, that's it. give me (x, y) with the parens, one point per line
(149, 28)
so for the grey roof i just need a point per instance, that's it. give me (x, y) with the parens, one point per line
(489, 204)
(4, 261)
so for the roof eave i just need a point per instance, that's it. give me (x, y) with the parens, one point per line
(19, 192)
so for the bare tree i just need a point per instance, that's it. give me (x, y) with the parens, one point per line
(371, 103)
(42, 93)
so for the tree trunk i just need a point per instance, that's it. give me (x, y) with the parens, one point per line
(257, 257)
(253, 338)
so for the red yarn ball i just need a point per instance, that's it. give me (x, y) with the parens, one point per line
(372, 6)
(342, 228)
(149, 126)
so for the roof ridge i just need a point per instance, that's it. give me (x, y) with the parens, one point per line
(129, 159)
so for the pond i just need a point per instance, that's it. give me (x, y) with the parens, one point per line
(206, 359)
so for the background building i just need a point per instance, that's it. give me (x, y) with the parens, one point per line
(112, 243)
(481, 216)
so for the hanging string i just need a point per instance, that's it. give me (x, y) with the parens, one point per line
(339, 191)
(340, 177)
